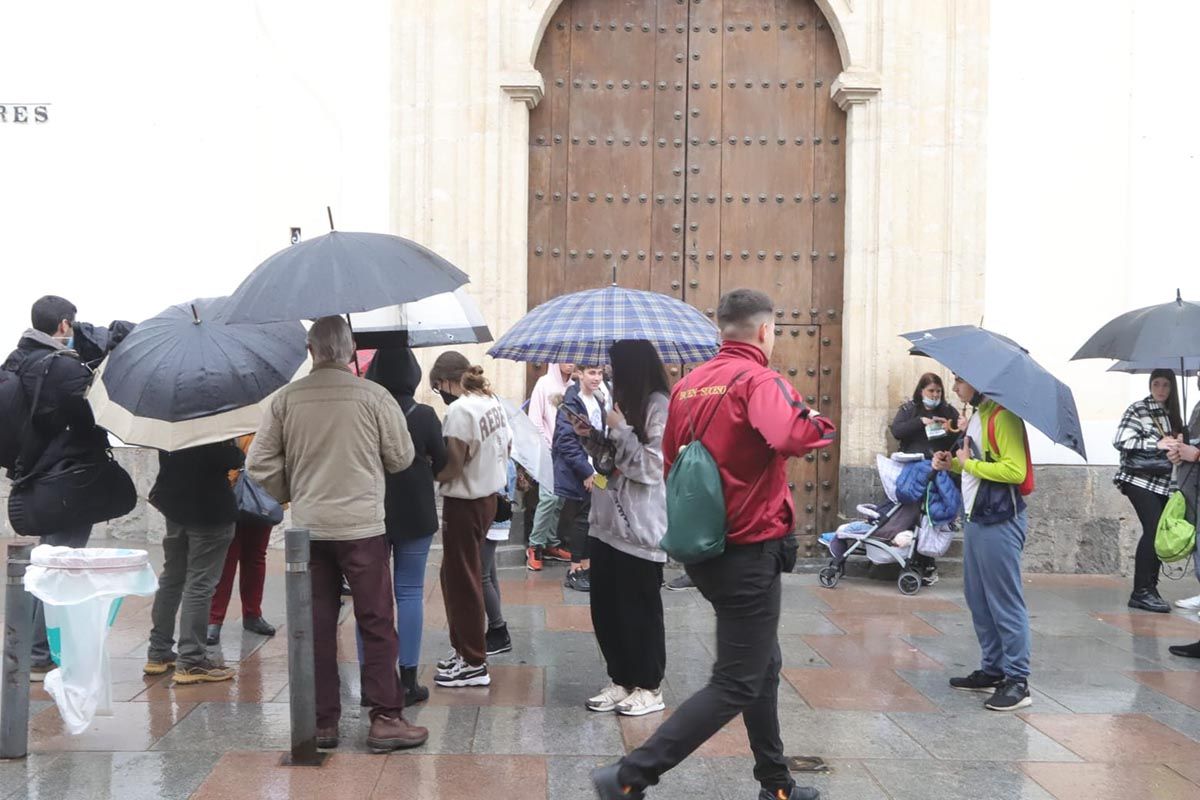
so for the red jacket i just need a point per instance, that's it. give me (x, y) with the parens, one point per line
(760, 424)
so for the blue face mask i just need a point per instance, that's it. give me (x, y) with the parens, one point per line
(69, 343)
(930, 403)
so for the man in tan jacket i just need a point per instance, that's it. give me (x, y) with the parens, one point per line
(324, 445)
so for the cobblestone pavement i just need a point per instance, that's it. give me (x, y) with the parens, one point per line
(1114, 715)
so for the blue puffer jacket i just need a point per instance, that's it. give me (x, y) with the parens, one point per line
(571, 464)
(945, 500)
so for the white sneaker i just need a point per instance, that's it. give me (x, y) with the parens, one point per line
(641, 702)
(608, 699)
(449, 661)
(453, 667)
(1190, 603)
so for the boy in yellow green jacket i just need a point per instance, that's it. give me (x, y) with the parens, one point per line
(993, 540)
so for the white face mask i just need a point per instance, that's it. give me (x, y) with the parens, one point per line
(931, 403)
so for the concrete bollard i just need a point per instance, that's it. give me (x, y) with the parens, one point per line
(18, 645)
(302, 693)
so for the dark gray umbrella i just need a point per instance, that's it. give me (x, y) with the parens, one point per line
(1005, 372)
(1169, 331)
(340, 273)
(1189, 367)
(180, 379)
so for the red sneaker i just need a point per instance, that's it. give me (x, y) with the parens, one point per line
(533, 559)
(558, 553)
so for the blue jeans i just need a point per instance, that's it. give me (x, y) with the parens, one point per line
(409, 557)
(992, 586)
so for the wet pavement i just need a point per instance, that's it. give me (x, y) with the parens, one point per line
(1114, 715)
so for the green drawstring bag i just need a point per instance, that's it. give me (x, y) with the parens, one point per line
(696, 519)
(1175, 538)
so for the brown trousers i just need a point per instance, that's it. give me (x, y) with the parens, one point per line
(366, 563)
(465, 524)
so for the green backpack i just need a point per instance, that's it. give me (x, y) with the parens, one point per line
(1175, 538)
(696, 520)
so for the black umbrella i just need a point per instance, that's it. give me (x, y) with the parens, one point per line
(340, 273)
(180, 379)
(1167, 333)
(1005, 372)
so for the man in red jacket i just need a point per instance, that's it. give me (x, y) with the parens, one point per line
(752, 421)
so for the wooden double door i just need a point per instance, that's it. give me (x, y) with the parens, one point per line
(692, 146)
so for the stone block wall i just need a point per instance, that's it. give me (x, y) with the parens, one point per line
(1078, 521)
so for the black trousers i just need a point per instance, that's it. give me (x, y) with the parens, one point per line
(627, 615)
(1149, 507)
(573, 527)
(743, 586)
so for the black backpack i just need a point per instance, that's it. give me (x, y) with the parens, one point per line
(16, 412)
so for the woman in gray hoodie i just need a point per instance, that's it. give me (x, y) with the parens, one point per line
(627, 523)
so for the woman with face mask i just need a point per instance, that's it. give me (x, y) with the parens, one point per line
(925, 423)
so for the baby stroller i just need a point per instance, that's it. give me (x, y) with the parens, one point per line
(898, 528)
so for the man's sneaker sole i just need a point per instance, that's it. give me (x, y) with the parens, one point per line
(158, 667)
(460, 682)
(187, 679)
(558, 559)
(1024, 703)
(601, 709)
(380, 746)
(642, 711)
(505, 649)
(979, 689)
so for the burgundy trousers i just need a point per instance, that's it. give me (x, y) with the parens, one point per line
(465, 524)
(249, 550)
(367, 565)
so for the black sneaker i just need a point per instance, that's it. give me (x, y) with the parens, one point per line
(1011, 695)
(1149, 600)
(498, 641)
(978, 681)
(578, 580)
(608, 785)
(1185, 650)
(794, 793)
(466, 676)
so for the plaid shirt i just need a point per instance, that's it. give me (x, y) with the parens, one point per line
(1142, 426)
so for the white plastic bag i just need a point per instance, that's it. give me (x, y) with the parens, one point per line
(933, 540)
(82, 591)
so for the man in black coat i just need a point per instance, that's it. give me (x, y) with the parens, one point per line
(61, 417)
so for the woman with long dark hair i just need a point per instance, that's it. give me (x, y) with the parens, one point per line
(1145, 477)
(628, 521)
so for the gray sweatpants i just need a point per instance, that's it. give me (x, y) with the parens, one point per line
(992, 586)
(76, 537)
(194, 559)
(491, 586)
(545, 519)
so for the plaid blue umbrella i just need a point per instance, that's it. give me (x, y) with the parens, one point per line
(579, 328)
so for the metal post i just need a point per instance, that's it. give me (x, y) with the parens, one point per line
(18, 645)
(302, 693)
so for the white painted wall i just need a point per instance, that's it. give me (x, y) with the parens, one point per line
(1092, 183)
(183, 142)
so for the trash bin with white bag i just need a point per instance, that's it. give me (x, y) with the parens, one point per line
(82, 590)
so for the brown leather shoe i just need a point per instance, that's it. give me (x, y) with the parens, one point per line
(393, 733)
(327, 738)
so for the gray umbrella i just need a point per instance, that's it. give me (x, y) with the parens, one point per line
(180, 379)
(1167, 333)
(340, 273)
(1005, 372)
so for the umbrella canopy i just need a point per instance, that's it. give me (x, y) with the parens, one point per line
(451, 318)
(181, 380)
(1004, 371)
(340, 273)
(1170, 331)
(579, 328)
(1188, 367)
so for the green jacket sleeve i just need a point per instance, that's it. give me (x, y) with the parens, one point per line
(1008, 465)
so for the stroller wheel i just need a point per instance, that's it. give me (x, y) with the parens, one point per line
(829, 577)
(909, 582)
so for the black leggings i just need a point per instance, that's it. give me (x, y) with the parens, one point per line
(573, 527)
(1149, 507)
